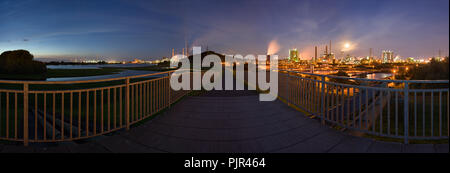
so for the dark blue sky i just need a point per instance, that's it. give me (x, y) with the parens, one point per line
(142, 29)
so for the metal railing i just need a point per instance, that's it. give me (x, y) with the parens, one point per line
(50, 111)
(407, 109)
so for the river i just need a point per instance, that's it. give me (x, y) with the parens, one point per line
(98, 66)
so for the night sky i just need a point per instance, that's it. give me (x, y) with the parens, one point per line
(127, 29)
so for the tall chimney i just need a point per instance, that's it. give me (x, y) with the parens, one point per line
(186, 47)
(326, 50)
(173, 52)
(315, 54)
(183, 51)
(370, 53)
(330, 46)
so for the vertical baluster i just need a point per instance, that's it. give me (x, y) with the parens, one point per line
(35, 116)
(62, 115)
(71, 115)
(367, 110)
(127, 103)
(148, 98)
(423, 113)
(1, 109)
(329, 87)
(354, 107)
(109, 109)
(348, 107)
(87, 113)
(448, 112)
(332, 103)
(153, 98)
(115, 108)
(54, 117)
(144, 98)
(360, 108)
(373, 110)
(132, 102)
(396, 113)
(381, 112)
(102, 121)
(25, 114)
(406, 112)
(140, 100)
(79, 114)
(440, 113)
(95, 113)
(120, 107)
(136, 104)
(322, 89)
(432, 113)
(7, 115)
(15, 115)
(415, 113)
(389, 113)
(342, 104)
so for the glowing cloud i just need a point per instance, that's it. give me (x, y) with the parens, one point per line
(273, 47)
(347, 46)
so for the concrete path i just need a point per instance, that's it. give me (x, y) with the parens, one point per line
(238, 124)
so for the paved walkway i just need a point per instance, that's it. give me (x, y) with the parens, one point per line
(239, 124)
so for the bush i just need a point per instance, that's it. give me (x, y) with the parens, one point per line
(20, 62)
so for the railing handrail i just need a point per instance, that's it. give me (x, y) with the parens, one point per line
(143, 99)
(369, 80)
(400, 113)
(83, 81)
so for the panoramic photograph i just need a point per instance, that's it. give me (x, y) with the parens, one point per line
(236, 76)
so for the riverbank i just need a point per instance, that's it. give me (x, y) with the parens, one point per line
(81, 72)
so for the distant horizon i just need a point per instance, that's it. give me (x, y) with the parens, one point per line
(123, 30)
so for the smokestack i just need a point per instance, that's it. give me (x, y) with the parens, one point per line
(370, 53)
(315, 54)
(326, 50)
(186, 47)
(173, 52)
(183, 51)
(330, 46)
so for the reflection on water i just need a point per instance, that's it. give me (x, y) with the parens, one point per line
(378, 75)
(94, 66)
(121, 74)
(353, 74)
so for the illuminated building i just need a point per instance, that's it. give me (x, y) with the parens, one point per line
(410, 60)
(293, 55)
(387, 56)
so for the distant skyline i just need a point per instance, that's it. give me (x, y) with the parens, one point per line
(141, 29)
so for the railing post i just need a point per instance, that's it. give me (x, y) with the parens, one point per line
(170, 89)
(406, 112)
(287, 89)
(127, 103)
(25, 114)
(322, 94)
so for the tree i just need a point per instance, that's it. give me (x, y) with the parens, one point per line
(20, 62)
